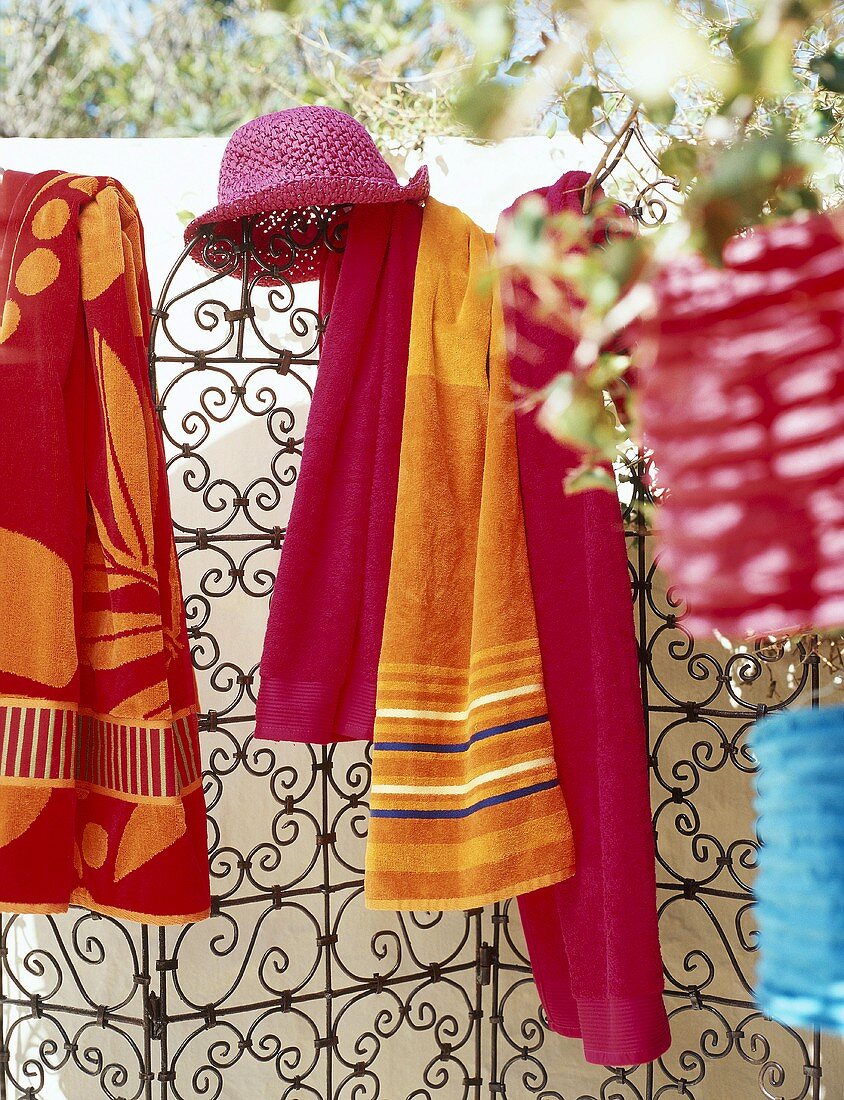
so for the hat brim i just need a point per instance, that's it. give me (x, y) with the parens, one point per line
(321, 191)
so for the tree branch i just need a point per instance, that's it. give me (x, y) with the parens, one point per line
(618, 137)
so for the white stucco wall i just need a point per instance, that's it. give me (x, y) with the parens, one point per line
(168, 175)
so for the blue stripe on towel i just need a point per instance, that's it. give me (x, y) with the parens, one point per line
(493, 800)
(460, 746)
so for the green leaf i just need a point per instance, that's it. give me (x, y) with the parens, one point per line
(580, 106)
(762, 60)
(575, 413)
(679, 160)
(491, 30)
(661, 112)
(608, 368)
(185, 216)
(480, 106)
(518, 70)
(829, 68)
(588, 477)
(820, 122)
(530, 219)
(790, 200)
(623, 258)
(749, 182)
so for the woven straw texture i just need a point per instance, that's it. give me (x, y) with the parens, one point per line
(291, 160)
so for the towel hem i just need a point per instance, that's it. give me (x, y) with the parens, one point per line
(624, 1031)
(309, 712)
(107, 910)
(476, 901)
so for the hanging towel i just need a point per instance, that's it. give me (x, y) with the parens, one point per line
(465, 803)
(593, 940)
(320, 661)
(101, 800)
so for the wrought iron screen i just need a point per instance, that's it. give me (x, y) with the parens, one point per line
(292, 990)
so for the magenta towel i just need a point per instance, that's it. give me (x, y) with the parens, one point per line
(593, 940)
(320, 662)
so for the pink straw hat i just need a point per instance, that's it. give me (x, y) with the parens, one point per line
(291, 160)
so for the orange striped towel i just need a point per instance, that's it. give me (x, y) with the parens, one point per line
(466, 807)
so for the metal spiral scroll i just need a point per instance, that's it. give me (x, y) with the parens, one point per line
(292, 990)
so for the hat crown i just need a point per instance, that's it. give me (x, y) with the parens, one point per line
(299, 159)
(301, 143)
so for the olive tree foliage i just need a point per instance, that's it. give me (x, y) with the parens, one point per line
(123, 68)
(742, 103)
(37, 36)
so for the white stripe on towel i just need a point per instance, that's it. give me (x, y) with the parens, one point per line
(464, 788)
(459, 715)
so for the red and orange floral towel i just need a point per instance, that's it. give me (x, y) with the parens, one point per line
(101, 799)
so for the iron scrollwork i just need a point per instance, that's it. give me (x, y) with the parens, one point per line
(292, 990)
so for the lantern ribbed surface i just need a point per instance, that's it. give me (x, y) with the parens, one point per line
(800, 885)
(742, 372)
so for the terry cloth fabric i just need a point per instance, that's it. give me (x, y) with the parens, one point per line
(593, 940)
(320, 662)
(101, 800)
(466, 807)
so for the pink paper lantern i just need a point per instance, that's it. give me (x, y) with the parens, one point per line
(742, 373)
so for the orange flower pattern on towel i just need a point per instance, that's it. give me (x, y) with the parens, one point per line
(10, 320)
(37, 271)
(50, 219)
(101, 802)
(38, 639)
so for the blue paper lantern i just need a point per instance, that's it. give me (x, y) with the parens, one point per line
(800, 885)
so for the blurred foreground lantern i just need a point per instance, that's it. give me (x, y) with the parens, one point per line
(800, 886)
(742, 369)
